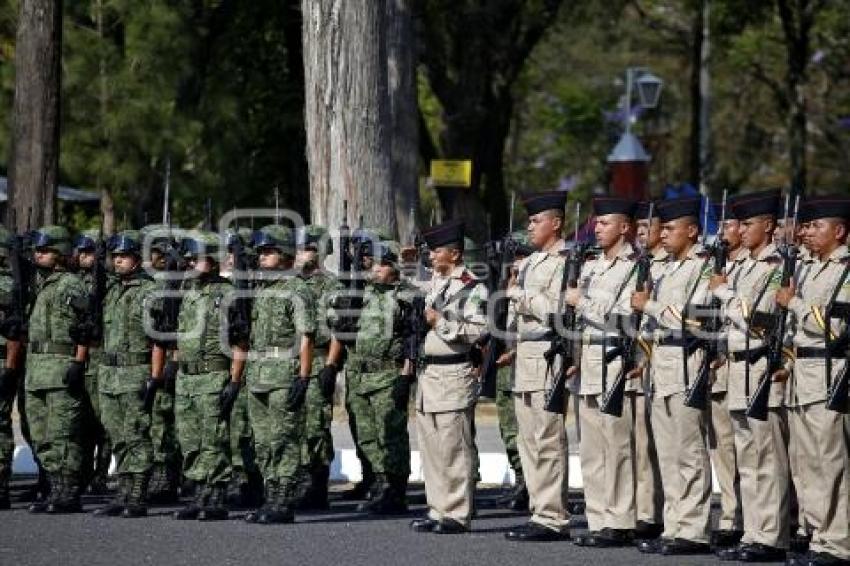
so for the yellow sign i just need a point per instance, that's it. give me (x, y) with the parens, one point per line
(451, 172)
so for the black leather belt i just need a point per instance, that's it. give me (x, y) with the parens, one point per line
(121, 359)
(537, 337)
(448, 359)
(195, 368)
(611, 341)
(807, 353)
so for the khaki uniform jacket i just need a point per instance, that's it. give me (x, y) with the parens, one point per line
(607, 286)
(533, 301)
(756, 279)
(677, 282)
(461, 299)
(721, 376)
(815, 288)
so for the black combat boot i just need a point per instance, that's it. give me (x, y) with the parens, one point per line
(137, 504)
(517, 498)
(119, 501)
(98, 483)
(215, 509)
(41, 492)
(164, 485)
(257, 515)
(389, 498)
(192, 509)
(315, 497)
(283, 508)
(362, 489)
(5, 502)
(64, 496)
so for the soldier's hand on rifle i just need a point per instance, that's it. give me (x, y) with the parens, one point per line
(327, 381)
(431, 317)
(12, 328)
(572, 371)
(719, 362)
(781, 376)
(785, 294)
(635, 373)
(639, 300)
(147, 394)
(572, 296)
(75, 376)
(8, 382)
(297, 393)
(227, 398)
(716, 281)
(505, 359)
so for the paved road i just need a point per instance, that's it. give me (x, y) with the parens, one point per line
(338, 537)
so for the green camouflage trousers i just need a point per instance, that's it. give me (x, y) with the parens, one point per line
(7, 441)
(166, 451)
(317, 449)
(507, 418)
(128, 427)
(382, 430)
(242, 453)
(203, 435)
(95, 437)
(56, 423)
(278, 433)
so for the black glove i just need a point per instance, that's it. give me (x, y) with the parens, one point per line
(327, 381)
(227, 398)
(12, 328)
(401, 393)
(147, 394)
(297, 393)
(8, 382)
(75, 376)
(169, 376)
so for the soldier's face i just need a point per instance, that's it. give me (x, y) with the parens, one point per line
(201, 264)
(677, 235)
(157, 260)
(269, 258)
(46, 258)
(609, 229)
(306, 259)
(383, 274)
(543, 228)
(649, 233)
(229, 263)
(124, 263)
(755, 232)
(444, 259)
(803, 234)
(826, 234)
(86, 259)
(732, 233)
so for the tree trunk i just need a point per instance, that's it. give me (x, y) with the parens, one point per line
(701, 151)
(404, 115)
(34, 162)
(347, 112)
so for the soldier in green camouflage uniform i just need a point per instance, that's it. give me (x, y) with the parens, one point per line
(317, 450)
(128, 361)
(97, 450)
(8, 380)
(283, 323)
(55, 372)
(246, 486)
(377, 393)
(208, 380)
(165, 479)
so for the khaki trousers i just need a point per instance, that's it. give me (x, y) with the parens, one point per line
(447, 449)
(680, 437)
(607, 467)
(763, 469)
(721, 446)
(649, 495)
(542, 444)
(821, 438)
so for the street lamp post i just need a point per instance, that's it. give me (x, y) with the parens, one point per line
(629, 161)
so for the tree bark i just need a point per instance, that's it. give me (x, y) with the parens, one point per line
(347, 112)
(34, 162)
(404, 114)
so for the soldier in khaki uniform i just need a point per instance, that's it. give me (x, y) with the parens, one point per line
(721, 437)
(747, 297)
(607, 456)
(680, 431)
(820, 433)
(455, 314)
(542, 439)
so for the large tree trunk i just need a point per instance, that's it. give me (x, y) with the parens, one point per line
(34, 163)
(404, 115)
(347, 112)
